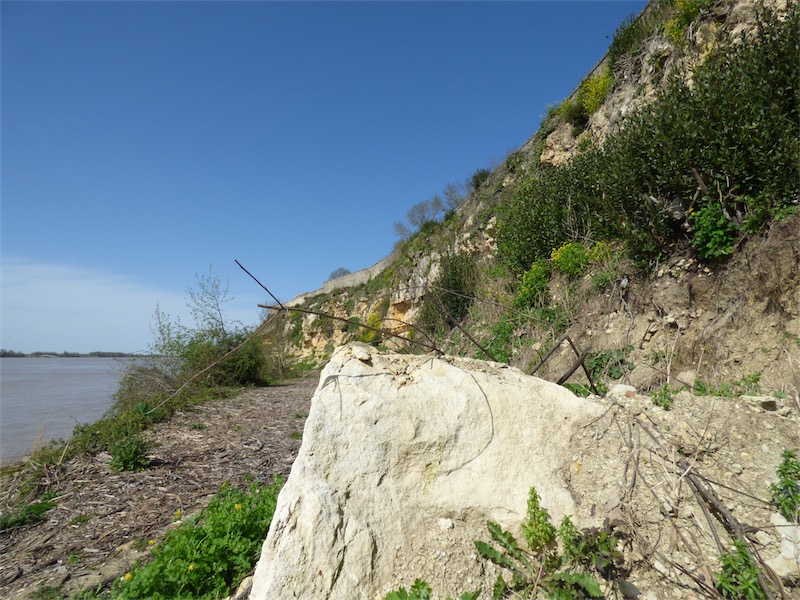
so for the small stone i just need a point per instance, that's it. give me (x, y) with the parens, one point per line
(621, 390)
(684, 396)
(362, 355)
(660, 568)
(737, 469)
(763, 537)
(445, 524)
(784, 411)
(687, 378)
(765, 402)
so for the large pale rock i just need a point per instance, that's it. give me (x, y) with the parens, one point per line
(403, 460)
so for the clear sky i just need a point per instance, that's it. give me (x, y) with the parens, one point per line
(145, 142)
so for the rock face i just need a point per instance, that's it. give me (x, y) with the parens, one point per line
(404, 458)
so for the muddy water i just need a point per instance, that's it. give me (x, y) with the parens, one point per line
(44, 398)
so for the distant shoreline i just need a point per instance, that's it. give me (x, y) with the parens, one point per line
(98, 354)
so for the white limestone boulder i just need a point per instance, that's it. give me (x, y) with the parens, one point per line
(396, 445)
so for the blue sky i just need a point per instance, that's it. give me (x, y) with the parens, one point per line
(143, 142)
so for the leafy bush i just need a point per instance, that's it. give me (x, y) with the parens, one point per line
(663, 397)
(533, 287)
(477, 178)
(593, 90)
(739, 575)
(203, 558)
(541, 566)
(451, 294)
(736, 127)
(687, 12)
(609, 363)
(130, 453)
(500, 342)
(786, 493)
(713, 233)
(571, 259)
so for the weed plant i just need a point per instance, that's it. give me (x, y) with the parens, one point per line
(203, 558)
(786, 493)
(739, 575)
(29, 513)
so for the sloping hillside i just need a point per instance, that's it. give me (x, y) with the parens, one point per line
(652, 219)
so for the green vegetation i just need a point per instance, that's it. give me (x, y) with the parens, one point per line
(451, 294)
(130, 453)
(609, 363)
(739, 575)
(571, 259)
(533, 287)
(687, 12)
(786, 493)
(420, 590)
(562, 563)
(714, 231)
(204, 557)
(697, 148)
(749, 384)
(500, 343)
(568, 573)
(663, 397)
(29, 513)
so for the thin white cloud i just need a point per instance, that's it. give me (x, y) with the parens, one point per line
(56, 307)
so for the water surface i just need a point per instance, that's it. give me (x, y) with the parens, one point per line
(44, 398)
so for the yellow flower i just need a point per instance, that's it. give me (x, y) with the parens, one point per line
(127, 576)
(152, 542)
(237, 506)
(191, 567)
(178, 513)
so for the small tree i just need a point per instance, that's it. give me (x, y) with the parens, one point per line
(454, 195)
(340, 272)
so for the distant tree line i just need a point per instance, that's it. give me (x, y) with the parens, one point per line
(14, 354)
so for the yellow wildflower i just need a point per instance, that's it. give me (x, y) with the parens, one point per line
(151, 542)
(191, 567)
(237, 506)
(127, 576)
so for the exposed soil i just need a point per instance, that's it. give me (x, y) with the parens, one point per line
(103, 520)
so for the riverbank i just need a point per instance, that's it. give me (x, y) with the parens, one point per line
(103, 521)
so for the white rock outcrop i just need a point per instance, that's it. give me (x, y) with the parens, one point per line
(404, 458)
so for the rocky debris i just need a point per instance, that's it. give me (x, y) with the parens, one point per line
(786, 565)
(404, 458)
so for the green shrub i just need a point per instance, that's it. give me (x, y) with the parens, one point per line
(714, 234)
(736, 126)
(451, 294)
(663, 397)
(422, 591)
(687, 11)
(571, 259)
(541, 566)
(609, 363)
(500, 342)
(533, 287)
(739, 575)
(786, 493)
(204, 558)
(593, 90)
(130, 453)
(478, 177)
